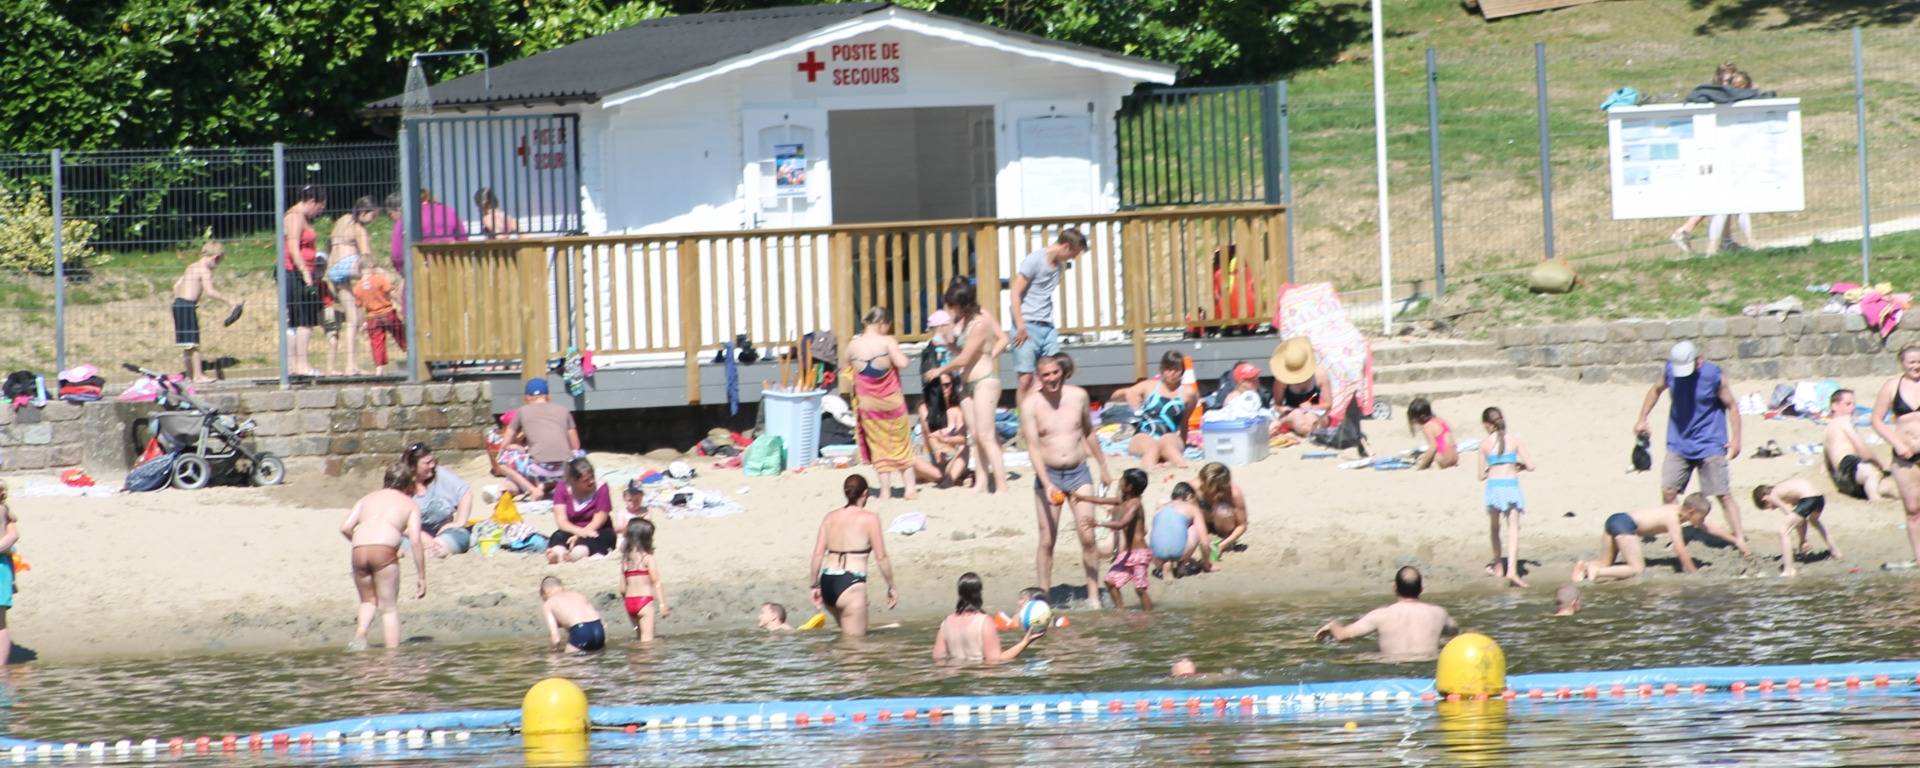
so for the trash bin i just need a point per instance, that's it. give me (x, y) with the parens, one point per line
(795, 418)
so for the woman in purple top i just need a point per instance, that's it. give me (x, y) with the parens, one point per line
(582, 508)
(439, 223)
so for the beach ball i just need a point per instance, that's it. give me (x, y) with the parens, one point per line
(1036, 613)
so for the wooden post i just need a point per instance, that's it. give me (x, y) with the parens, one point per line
(840, 303)
(534, 322)
(689, 249)
(986, 260)
(1133, 282)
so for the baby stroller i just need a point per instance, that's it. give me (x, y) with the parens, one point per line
(206, 444)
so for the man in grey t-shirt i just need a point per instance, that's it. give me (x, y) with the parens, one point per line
(1034, 285)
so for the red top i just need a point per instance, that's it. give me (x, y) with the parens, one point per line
(307, 251)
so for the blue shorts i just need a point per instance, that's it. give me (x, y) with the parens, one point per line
(587, 635)
(6, 580)
(1622, 524)
(1042, 339)
(1503, 495)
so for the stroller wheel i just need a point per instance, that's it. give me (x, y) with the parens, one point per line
(268, 470)
(191, 472)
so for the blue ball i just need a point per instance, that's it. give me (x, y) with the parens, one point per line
(1036, 613)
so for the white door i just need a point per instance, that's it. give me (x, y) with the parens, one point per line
(1051, 143)
(787, 181)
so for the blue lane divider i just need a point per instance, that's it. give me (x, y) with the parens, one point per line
(420, 729)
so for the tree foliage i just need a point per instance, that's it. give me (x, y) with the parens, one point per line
(157, 73)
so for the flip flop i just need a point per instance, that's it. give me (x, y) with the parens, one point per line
(233, 316)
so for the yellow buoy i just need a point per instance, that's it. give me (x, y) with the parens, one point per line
(553, 706)
(1471, 664)
(555, 750)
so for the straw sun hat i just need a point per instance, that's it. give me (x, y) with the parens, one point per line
(1292, 361)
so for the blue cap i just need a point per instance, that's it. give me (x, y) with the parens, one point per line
(536, 387)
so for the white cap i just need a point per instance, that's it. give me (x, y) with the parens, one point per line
(1682, 358)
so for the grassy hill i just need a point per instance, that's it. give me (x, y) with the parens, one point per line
(1490, 167)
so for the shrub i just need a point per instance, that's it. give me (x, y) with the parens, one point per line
(26, 234)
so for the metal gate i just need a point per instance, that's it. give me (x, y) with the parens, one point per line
(522, 169)
(1201, 145)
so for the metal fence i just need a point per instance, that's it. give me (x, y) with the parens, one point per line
(132, 221)
(1498, 156)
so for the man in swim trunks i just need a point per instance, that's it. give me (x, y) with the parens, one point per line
(1855, 470)
(375, 527)
(562, 607)
(1626, 530)
(1058, 430)
(1034, 285)
(196, 282)
(1409, 628)
(1703, 433)
(1802, 500)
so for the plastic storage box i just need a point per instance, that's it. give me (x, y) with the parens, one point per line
(1234, 441)
(795, 418)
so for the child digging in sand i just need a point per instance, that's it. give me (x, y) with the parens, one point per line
(1440, 450)
(1502, 459)
(562, 607)
(1624, 531)
(640, 579)
(1804, 505)
(1131, 555)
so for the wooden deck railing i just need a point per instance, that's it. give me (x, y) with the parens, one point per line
(680, 296)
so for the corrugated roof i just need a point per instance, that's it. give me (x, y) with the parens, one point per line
(655, 50)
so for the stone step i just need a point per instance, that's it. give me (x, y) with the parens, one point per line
(1404, 353)
(1441, 370)
(1399, 394)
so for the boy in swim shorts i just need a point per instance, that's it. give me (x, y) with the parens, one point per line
(1131, 556)
(1802, 499)
(562, 607)
(1626, 530)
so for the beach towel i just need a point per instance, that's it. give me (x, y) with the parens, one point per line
(1314, 311)
(886, 439)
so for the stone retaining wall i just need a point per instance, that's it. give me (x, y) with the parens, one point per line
(1798, 347)
(322, 429)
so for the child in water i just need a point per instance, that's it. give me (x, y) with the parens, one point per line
(562, 607)
(1131, 555)
(773, 618)
(640, 579)
(1502, 459)
(1803, 500)
(1439, 450)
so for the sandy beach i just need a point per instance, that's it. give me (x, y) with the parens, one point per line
(234, 568)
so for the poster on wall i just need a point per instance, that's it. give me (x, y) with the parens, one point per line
(1674, 160)
(790, 169)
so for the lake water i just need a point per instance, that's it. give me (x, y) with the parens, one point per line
(1715, 623)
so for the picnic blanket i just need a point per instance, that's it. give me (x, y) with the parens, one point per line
(1314, 310)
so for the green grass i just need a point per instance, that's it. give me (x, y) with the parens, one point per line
(1662, 287)
(1488, 128)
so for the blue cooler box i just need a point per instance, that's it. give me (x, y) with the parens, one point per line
(1235, 441)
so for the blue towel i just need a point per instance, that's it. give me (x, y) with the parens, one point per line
(733, 380)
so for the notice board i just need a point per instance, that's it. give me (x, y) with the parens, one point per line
(1673, 160)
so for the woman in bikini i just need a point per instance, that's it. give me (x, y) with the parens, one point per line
(848, 535)
(1301, 388)
(885, 426)
(968, 634)
(345, 246)
(376, 527)
(640, 579)
(1440, 451)
(978, 365)
(1161, 406)
(1900, 400)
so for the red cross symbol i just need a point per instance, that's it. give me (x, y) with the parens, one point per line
(521, 151)
(812, 66)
